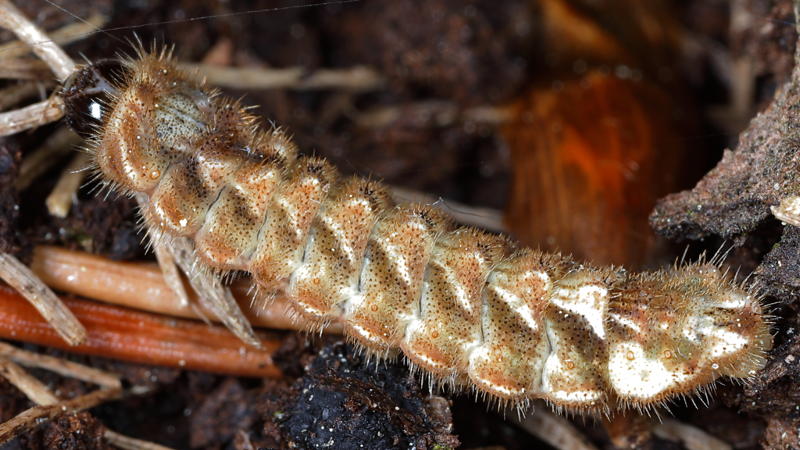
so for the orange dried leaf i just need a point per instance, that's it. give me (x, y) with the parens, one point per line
(590, 160)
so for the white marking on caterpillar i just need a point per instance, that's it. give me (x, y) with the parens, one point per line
(638, 377)
(588, 301)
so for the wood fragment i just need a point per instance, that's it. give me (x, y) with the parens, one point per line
(65, 191)
(60, 64)
(31, 116)
(12, 19)
(64, 35)
(38, 393)
(34, 389)
(555, 430)
(30, 418)
(691, 437)
(20, 277)
(128, 443)
(357, 79)
(128, 335)
(60, 366)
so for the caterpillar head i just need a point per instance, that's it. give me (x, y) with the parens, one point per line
(674, 332)
(87, 94)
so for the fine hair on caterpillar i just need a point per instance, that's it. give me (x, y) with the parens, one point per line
(466, 307)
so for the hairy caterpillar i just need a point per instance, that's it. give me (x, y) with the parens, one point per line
(464, 306)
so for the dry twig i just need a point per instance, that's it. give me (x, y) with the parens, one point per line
(555, 430)
(31, 116)
(435, 113)
(129, 443)
(60, 366)
(12, 19)
(42, 298)
(28, 384)
(64, 35)
(296, 78)
(60, 64)
(691, 437)
(37, 392)
(30, 418)
(65, 191)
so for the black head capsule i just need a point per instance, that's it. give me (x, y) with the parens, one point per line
(87, 93)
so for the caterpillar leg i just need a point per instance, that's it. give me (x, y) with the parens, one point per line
(178, 252)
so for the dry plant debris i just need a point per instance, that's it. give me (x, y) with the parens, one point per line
(19, 276)
(64, 193)
(691, 437)
(37, 41)
(11, 270)
(401, 137)
(49, 406)
(141, 337)
(555, 430)
(60, 64)
(354, 79)
(61, 366)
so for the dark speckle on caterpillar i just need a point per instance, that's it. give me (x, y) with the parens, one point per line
(464, 306)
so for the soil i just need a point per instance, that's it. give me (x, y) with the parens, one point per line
(467, 54)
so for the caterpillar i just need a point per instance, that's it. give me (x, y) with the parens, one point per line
(466, 307)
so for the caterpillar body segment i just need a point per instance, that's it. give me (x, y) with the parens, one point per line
(462, 305)
(330, 273)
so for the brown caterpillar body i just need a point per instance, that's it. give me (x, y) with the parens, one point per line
(463, 305)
